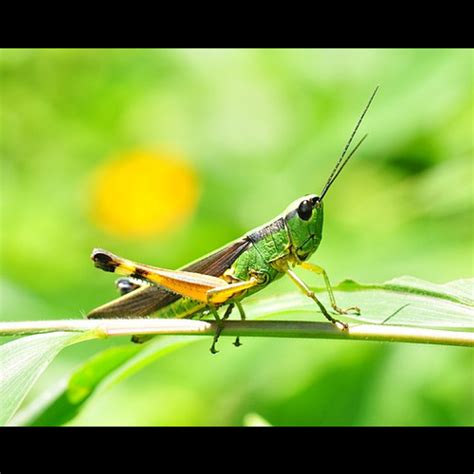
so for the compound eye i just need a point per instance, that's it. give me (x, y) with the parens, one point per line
(305, 210)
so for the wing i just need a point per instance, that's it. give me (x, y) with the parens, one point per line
(217, 262)
(149, 299)
(137, 304)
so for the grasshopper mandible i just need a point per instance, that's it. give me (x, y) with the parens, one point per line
(231, 273)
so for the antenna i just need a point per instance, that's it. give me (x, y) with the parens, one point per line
(340, 163)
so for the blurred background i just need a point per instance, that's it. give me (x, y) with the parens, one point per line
(164, 155)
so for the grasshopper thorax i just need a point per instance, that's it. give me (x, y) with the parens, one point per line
(304, 221)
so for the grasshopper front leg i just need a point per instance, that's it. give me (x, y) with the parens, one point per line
(320, 271)
(308, 292)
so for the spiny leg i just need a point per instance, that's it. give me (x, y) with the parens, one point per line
(190, 284)
(226, 316)
(218, 330)
(219, 324)
(226, 293)
(228, 311)
(237, 342)
(208, 289)
(223, 294)
(302, 285)
(320, 271)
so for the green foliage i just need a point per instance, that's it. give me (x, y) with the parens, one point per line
(254, 419)
(426, 304)
(406, 301)
(100, 372)
(24, 360)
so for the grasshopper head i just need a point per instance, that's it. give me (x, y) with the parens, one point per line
(304, 221)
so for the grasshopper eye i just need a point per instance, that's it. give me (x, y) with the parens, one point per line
(305, 210)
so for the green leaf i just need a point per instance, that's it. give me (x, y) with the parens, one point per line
(24, 360)
(254, 419)
(402, 301)
(97, 374)
(405, 301)
(86, 378)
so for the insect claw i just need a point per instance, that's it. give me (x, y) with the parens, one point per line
(237, 342)
(341, 326)
(353, 309)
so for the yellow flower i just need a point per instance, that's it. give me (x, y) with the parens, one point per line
(142, 194)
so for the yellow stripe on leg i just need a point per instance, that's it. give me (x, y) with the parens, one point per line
(189, 284)
(221, 295)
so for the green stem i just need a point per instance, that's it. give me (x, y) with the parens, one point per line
(293, 329)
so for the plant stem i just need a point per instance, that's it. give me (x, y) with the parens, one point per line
(293, 329)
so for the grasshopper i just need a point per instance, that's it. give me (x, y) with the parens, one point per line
(231, 273)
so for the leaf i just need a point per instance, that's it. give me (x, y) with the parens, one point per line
(24, 360)
(254, 419)
(405, 301)
(97, 374)
(84, 380)
(402, 301)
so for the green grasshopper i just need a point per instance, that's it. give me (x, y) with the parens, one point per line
(231, 273)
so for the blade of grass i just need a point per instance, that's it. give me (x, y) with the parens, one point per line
(97, 374)
(22, 361)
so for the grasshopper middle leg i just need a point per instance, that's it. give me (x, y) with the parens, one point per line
(219, 321)
(237, 342)
(230, 291)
